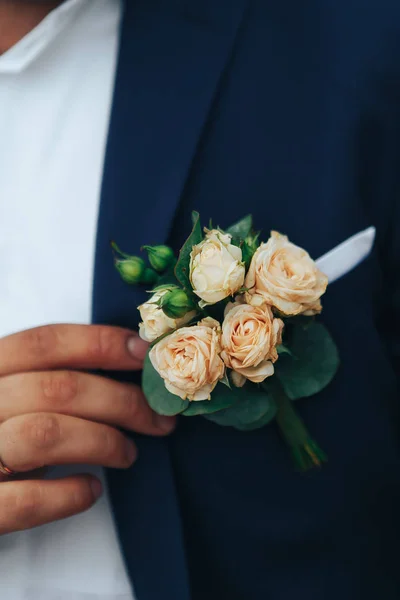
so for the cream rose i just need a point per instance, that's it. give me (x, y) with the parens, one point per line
(250, 335)
(216, 268)
(284, 276)
(155, 322)
(189, 360)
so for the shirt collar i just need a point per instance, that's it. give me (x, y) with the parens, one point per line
(24, 52)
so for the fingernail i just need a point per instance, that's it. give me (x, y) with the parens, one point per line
(97, 488)
(166, 424)
(137, 347)
(130, 451)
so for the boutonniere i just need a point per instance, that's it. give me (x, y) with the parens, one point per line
(233, 331)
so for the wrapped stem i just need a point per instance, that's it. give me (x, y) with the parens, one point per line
(306, 452)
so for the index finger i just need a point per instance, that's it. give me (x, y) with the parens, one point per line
(71, 346)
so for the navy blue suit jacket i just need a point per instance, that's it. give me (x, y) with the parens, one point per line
(289, 110)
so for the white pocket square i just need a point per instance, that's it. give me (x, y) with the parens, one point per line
(347, 255)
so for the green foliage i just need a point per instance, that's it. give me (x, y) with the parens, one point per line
(249, 247)
(149, 277)
(221, 398)
(282, 349)
(306, 453)
(182, 266)
(308, 356)
(131, 270)
(314, 360)
(158, 397)
(253, 408)
(160, 257)
(166, 281)
(240, 230)
(176, 303)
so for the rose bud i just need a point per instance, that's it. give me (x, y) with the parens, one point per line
(149, 276)
(160, 257)
(155, 322)
(131, 269)
(176, 303)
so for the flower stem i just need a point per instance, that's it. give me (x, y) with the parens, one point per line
(306, 452)
(118, 251)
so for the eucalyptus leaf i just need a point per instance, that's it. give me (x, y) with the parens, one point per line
(225, 380)
(240, 230)
(302, 320)
(265, 419)
(282, 349)
(254, 407)
(221, 398)
(314, 362)
(182, 266)
(158, 397)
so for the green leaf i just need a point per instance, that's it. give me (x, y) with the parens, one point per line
(314, 363)
(241, 229)
(253, 408)
(301, 320)
(282, 349)
(166, 280)
(249, 247)
(182, 266)
(247, 253)
(265, 419)
(225, 380)
(158, 397)
(221, 398)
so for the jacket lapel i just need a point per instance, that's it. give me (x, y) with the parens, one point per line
(172, 57)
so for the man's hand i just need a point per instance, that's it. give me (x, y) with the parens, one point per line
(53, 413)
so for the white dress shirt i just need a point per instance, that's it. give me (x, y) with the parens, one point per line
(56, 89)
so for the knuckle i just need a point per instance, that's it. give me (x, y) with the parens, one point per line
(42, 431)
(60, 387)
(25, 507)
(102, 342)
(42, 341)
(81, 496)
(131, 408)
(113, 447)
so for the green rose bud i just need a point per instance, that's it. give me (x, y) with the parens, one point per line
(176, 303)
(131, 269)
(149, 276)
(160, 257)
